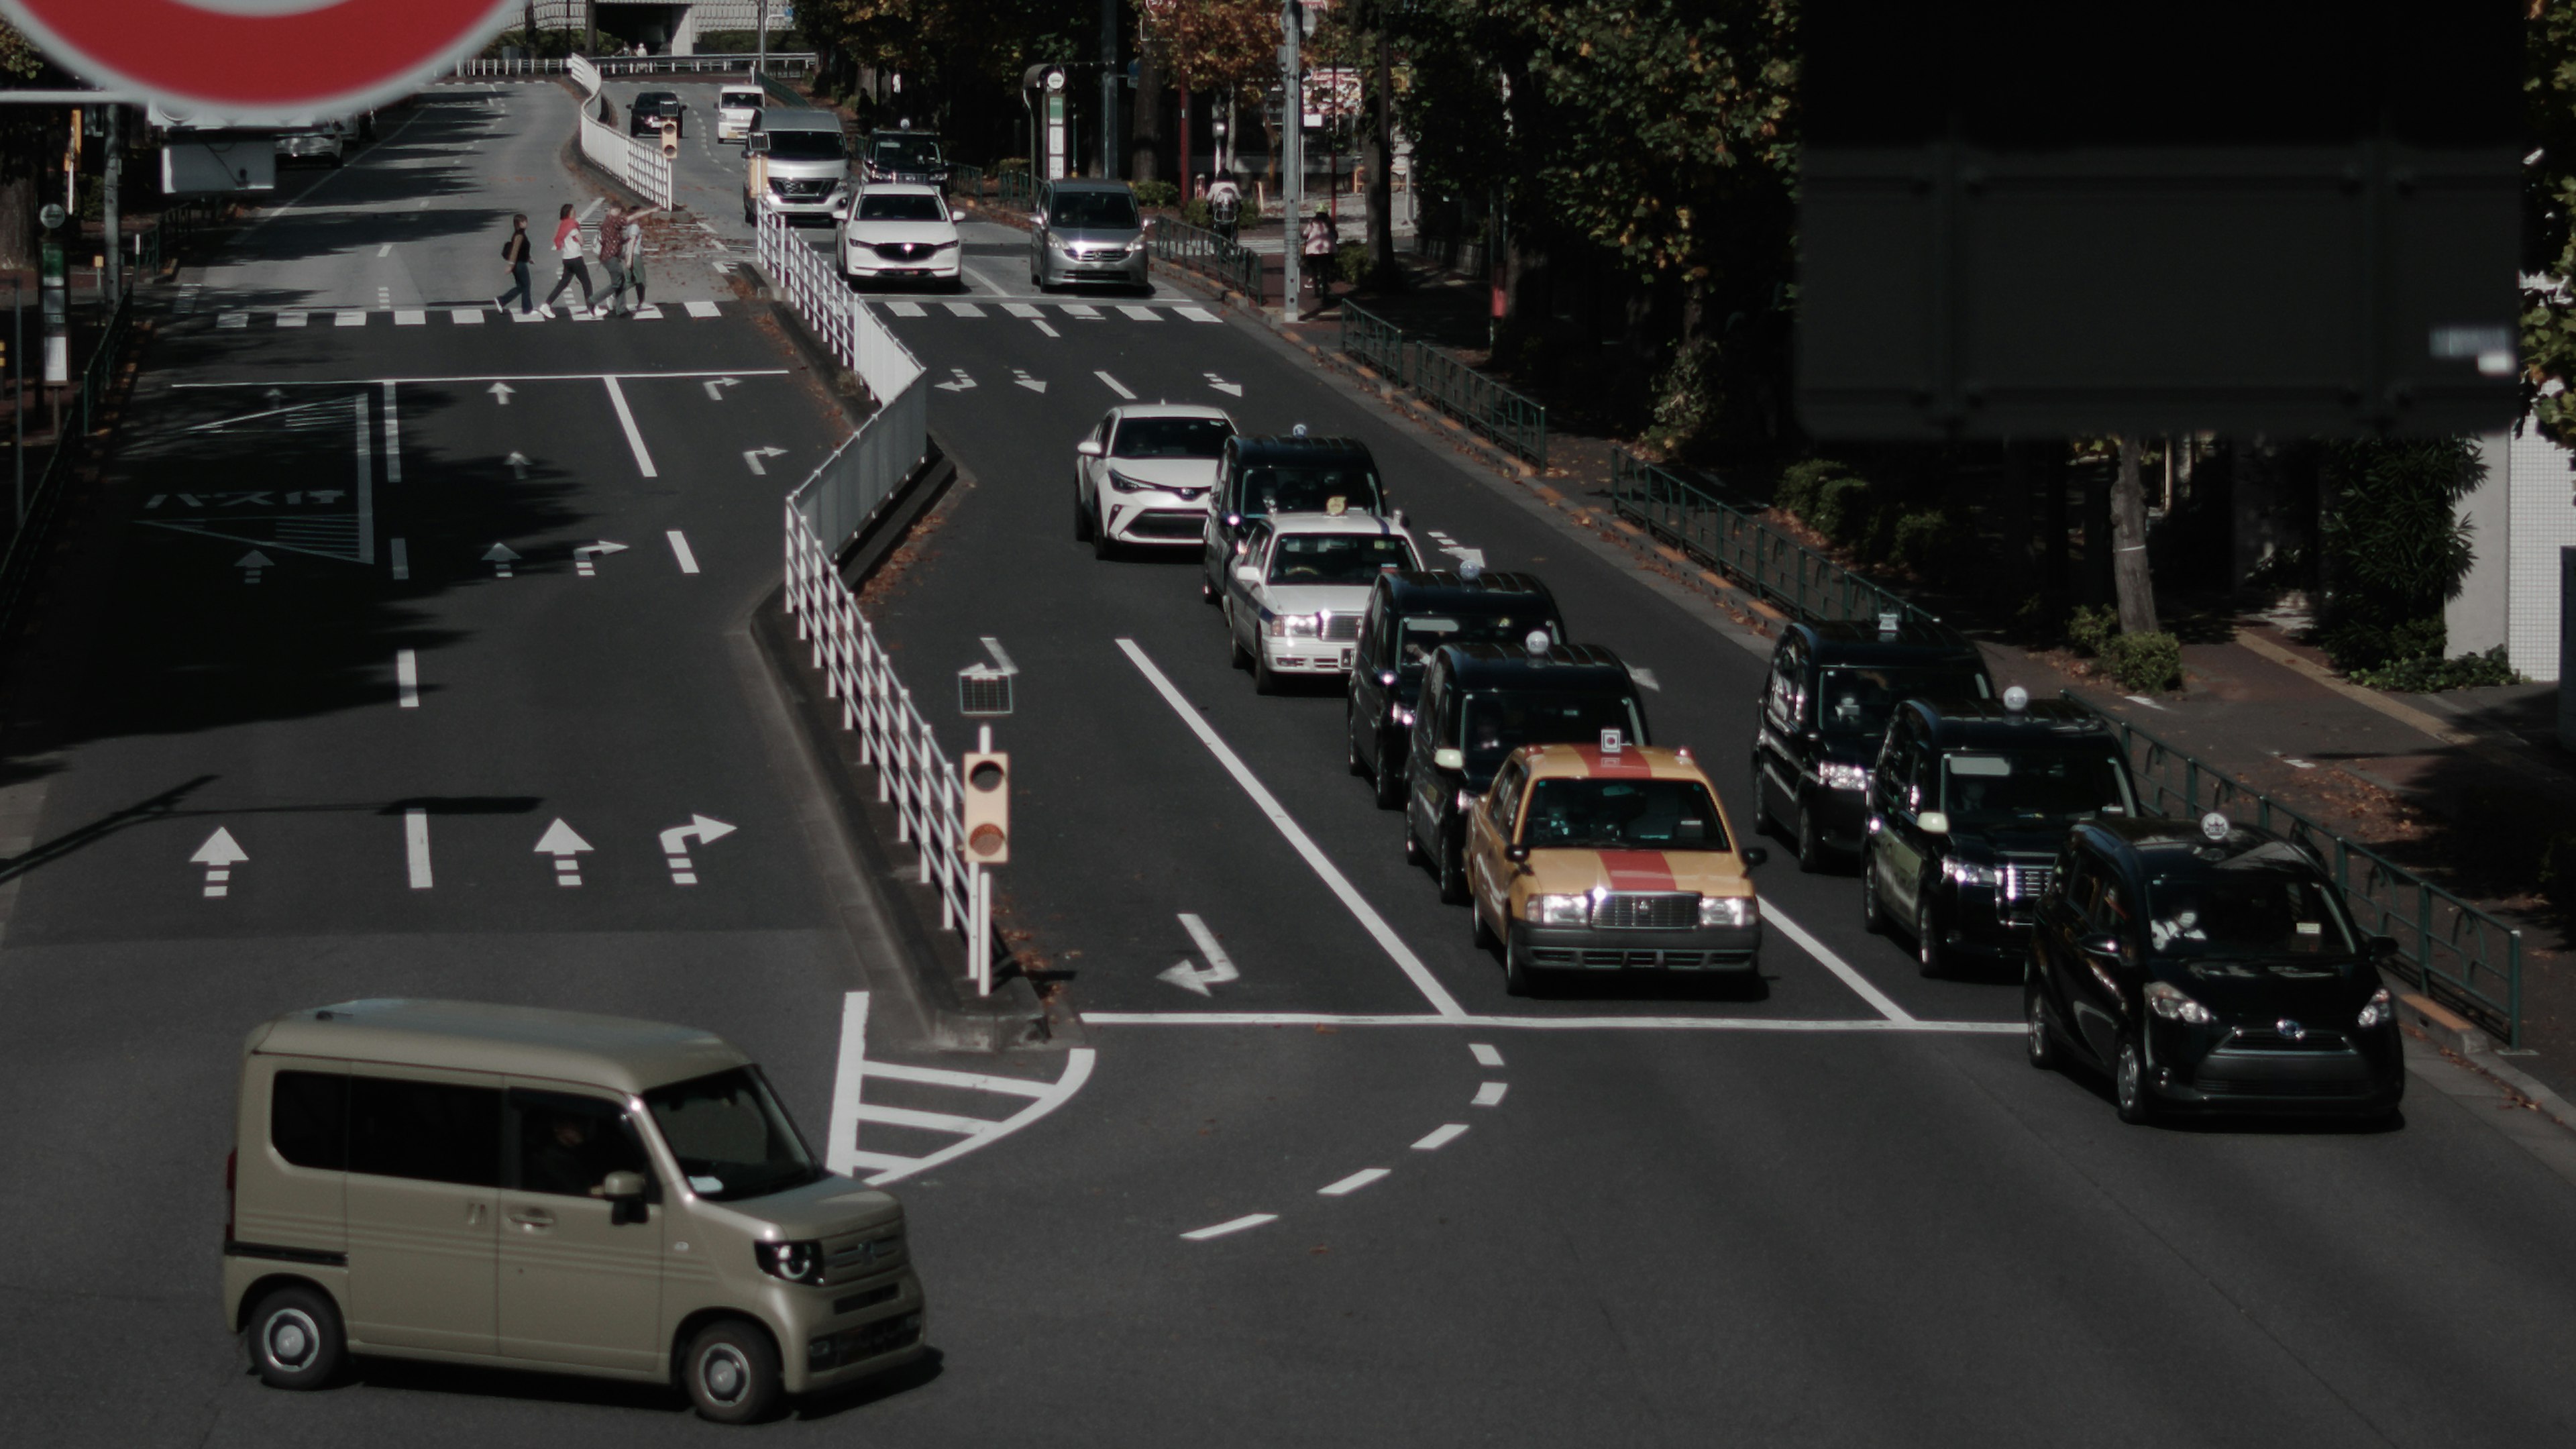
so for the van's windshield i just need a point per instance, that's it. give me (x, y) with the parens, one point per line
(1267, 489)
(805, 145)
(1496, 722)
(731, 1137)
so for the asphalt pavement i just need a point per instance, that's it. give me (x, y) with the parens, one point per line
(1356, 1195)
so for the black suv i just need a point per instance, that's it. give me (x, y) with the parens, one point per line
(1409, 615)
(1261, 476)
(651, 108)
(2207, 966)
(1968, 805)
(907, 157)
(1824, 711)
(1480, 702)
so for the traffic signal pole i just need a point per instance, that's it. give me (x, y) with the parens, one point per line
(1292, 149)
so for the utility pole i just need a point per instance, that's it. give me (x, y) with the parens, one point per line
(1108, 90)
(107, 201)
(1292, 148)
(760, 61)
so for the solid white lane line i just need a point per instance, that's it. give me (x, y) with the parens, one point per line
(626, 420)
(681, 551)
(841, 1149)
(393, 438)
(366, 481)
(487, 377)
(416, 847)
(1115, 386)
(1077, 1070)
(407, 679)
(1484, 1054)
(1489, 1094)
(1352, 1183)
(1441, 1136)
(1331, 874)
(1825, 957)
(973, 1081)
(1547, 1023)
(402, 558)
(1233, 1225)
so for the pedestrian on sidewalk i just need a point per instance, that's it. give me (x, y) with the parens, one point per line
(1317, 239)
(514, 253)
(612, 257)
(568, 246)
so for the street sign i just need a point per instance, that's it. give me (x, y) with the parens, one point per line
(51, 217)
(254, 61)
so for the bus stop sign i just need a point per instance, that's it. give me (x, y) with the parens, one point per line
(253, 61)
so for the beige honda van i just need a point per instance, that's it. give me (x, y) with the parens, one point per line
(542, 1189)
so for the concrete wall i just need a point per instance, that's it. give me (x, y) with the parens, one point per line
(2541, 518)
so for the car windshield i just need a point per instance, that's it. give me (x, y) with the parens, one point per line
(806, 145)
(1495, 722)
(907, 154)
(903, 206)
(1309, 490)
(1100, 210)
(1172, 438)
(1571, 814)
(2266, 912)
(1417, 635)
(1856, 701)
(2032, 786)
(731, 1137)
(1305, 559)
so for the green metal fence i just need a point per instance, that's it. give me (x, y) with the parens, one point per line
(1014, 190)
(1768, 562)
(1507, 417)
(80, 417)
(1185, 245)
(966, 181)
(2459, 955)
(782, 93)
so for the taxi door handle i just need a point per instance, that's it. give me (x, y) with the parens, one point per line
(534, 1219)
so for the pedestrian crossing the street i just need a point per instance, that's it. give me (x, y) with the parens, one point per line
(246, 319)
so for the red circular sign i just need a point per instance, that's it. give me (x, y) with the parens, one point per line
(249, 59)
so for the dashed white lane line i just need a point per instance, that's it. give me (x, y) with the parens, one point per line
(1485, 1055)
(411, 319)
(465, 316)
(1352, 1183)
(290, 319)
(1019, 309)
(386, 250)
(1115, 385)
(1231, 1225)
(1044, 326)
(1196, 314)
(402, 558)
(1141, 314)
(230, 321)
(907, 309)
(963, 309)
(1861, 1024)
(416, 847)
(1441, 1136)
(626, 420)
(407, 679)
(680, 550)
(1083, 310)
(1489, 1094)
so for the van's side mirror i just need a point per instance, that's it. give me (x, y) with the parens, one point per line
(1754, 855)
(1090, 448)
(1933, 822)
(1449, 759)
(1516, 851)
(2101, 945)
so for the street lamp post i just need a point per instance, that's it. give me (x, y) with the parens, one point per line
(1292, 151)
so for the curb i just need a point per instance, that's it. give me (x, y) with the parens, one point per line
(2372, 699)
(2437, 1024)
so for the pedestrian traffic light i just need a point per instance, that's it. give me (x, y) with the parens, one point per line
(987, 822)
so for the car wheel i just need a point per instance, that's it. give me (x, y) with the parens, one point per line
(1235, 654)
(1928, 954)
(1390, 778)
(2129, 1082)
(1477, 934)
(1520, 978)
(1263, 680)
(1412, 847)
(731, 1370)
(1453, 869)
(1762, 823)
(1351, 742)
(1082, 525)
(1811, 846)
(1102, 545)
(1207, 590)
(1873, 913)
(2038, 1040)
(295, 1339)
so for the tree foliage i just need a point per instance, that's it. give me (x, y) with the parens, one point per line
(1217, 45)
(2395, 546)
(19, 58)
(2548, 205)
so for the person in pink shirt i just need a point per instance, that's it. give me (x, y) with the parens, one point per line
(568, 246)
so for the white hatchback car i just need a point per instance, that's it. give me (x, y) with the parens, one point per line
(1294, 600)
(1145, 473)
(895, 232)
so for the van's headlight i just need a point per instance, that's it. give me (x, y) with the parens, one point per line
(1967, 872)
(1559, 910)
(1056, 240)
(2169, 1002)
(1727, 911)
(795, 1262)
(2382, 1009)
(1838, 776)
(1133, 247)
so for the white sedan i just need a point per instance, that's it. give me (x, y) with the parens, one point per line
(897, 232)
(1145, 473)
(1294, 600)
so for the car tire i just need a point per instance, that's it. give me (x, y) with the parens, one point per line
(1389, 779)
(2129, 1082)
(1520, 978)
(1264, 681)
(1351, 742)
(1763, 824)
(1103, 546)
(295, 1338)
(1929, 956)
(1873, 912)
(1413, 853)
(1453, 869)
(731, 1372)
(2038, 1038)
(1082, 519)
(1477, 934)
(1207, 591)
(1811, 845)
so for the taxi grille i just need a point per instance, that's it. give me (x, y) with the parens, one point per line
(1344, 627)
(1587, 959)
(1643, 911)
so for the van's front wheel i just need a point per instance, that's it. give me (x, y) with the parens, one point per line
(295, 1339)
(731, 1371)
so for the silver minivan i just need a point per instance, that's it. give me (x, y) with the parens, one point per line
(1086, 231)
(796, 163)
(538, 1189)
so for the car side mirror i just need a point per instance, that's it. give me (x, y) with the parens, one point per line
(1516, 852)
(1247, 574)
(1090, 448)
(1449, 759)
(2384, 948)
(1933, 822)
(622, 1185)
(1754, 855)
(2100, 944)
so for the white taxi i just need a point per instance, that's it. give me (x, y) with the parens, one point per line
(1300, 585)
(892, 231)
(1144, 473)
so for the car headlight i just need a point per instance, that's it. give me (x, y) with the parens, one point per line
(1839, 776)
(1292, 626)
(1400, 715)
(947, 245)
(800, 1262)
(1125, 484)
(1727, 911)
(2381, 1010)
(1133, 247)
(2169, 1003)
(1057, 242)
(1963, 872)
(1559, 910)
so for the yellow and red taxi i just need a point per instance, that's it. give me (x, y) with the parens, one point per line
(1609, 857)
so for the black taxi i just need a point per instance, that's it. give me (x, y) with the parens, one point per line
(1824, 711)
(1968, 804)
(1409, 615)
(1479, 703)
(1260, 476)
(2209, 966)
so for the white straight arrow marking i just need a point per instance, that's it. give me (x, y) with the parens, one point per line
(752, 457)
(500, 556)
(561, 842)
(958, 381)
(501, 393)
(251, 563)
(519, 465)
(219, 855)
(1026, 381)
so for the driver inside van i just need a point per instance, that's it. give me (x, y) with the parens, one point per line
(566, 1155)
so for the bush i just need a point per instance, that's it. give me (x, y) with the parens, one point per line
(1801, 482)
(1926, 540)
(1196, 212)
(1156, 193)
(2089, 631)
(1844, 510)
(1351, 262)
(2144, 661)
(2433, 674)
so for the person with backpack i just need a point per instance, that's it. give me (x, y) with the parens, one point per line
(568, 246)
(612, 256)
(514, 253)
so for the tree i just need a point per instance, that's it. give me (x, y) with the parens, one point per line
(29, 138)
(1224, 45)
(2395, 547)
(2132, 586)
(2548, 204)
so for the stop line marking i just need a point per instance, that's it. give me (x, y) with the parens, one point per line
(1551, 1023)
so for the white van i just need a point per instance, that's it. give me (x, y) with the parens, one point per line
(541, 1189)
(797, 164)
(736, 108)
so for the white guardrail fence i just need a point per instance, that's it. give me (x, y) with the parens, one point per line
(631, 159)
(731, 63)
(823, 514)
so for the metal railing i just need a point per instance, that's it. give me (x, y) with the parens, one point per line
(1211, 252)
(967, 181)
(631, 159)
(1769, 563)
(1015, 191)
(727, 63)
(2461, 956)
(784, 95)
(1508, 418)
